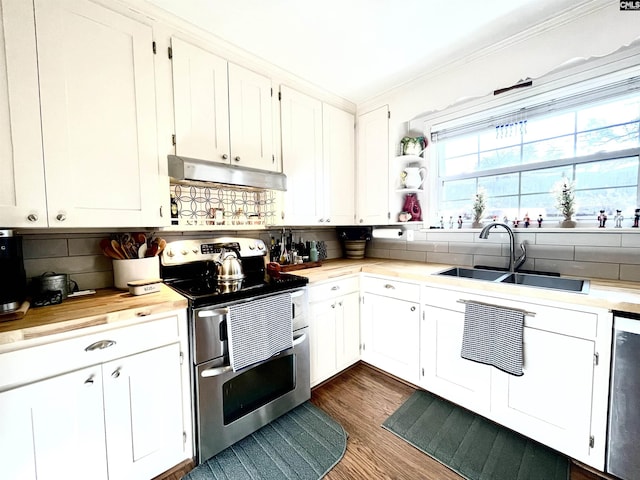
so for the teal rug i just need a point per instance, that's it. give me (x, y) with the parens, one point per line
(470, 445)
(303, 444)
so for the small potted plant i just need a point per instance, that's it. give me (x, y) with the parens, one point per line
(479, 206)
(565, 196)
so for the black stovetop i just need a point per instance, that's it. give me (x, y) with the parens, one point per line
(203, 292)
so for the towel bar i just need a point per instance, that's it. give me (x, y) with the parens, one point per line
(528, 314)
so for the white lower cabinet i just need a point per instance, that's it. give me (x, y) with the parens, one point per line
(125, 417)
(443, 371)
(334, 313)
(54, 428)
(561, 398)
(391, 326)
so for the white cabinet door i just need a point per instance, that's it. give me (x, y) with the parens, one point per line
(391, 335)
(98, 116)
(338, 132)
(373, 167)
(201, 103)
(301, 126)
(551, 401)
(143, 413)
(443, 371)
(54, 428)
(322, 346)
(251, 119)
(348, 331)
(22, 192)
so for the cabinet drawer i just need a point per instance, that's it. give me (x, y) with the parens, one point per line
(334, 288)
(392, 288)
(30, 364)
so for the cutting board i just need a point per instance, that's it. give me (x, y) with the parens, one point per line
(16, 314)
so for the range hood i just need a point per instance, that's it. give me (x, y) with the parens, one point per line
(184, 168)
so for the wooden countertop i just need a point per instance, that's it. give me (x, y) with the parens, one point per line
(107, 306)
(609, 294)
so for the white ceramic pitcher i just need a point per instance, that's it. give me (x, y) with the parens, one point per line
(414, 176)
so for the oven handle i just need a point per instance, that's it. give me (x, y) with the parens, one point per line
(217, 312)
(299, 339)
(215, 371)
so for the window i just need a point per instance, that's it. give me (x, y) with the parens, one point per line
(592, 139)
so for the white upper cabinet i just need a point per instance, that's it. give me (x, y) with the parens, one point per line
(318, 159)
(301, 124)
(22, 192)
(373, 167)
(201, 103)
(223, 112)
(98, 116)
(338, 130)
(251, 119)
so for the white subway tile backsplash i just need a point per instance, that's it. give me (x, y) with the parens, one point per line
(631, 240)
(476, 248)
(603, 239)
(579, 269)
(557, 252)
(428, 246)
(608, 254)
(630, 273)
(413, 256)
(451, 235)
(450, 258)
(44, 248)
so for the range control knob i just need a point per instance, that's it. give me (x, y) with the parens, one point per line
(169, 253)
(194, 250)
(260, 245)
(184, 252)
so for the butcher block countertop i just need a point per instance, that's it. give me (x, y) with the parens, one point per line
(107, 306)
(609, 294)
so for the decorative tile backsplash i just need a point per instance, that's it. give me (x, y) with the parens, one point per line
(223, 205)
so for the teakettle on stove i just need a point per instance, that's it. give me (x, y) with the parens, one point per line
(13, 280)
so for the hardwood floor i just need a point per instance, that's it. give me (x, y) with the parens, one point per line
(361, 398)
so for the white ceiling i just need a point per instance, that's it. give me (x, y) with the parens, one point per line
(359, 48)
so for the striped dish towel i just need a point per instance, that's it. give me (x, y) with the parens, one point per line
(494, 336)
(259, 329)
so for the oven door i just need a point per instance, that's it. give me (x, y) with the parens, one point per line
(231, 405)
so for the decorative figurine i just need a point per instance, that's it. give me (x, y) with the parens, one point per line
(539, 221)
(451, 222)
(527, 220)
(516, 222)
(636, 218)
(505, 219)
(618, 218)
(441, 223)
(459, 221)
(602, 219)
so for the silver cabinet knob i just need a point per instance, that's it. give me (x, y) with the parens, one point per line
(328, 220)
(89, 381)
(237, 159)
(32, 217)
(225, 156)
(333, 305)
(61, 217)
(100, 345)
(361, 220)
(413, 309)
(116, 373)
(321, 220)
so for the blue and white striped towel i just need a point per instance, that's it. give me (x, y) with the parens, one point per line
(493, 335)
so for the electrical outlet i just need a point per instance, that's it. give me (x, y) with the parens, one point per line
(410, 235)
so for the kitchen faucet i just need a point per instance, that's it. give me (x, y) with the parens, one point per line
(514, 263)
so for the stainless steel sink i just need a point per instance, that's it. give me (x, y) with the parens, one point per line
(525, 279)
(490, 275)
(554, 283)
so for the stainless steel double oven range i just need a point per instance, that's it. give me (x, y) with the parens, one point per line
(231, 403)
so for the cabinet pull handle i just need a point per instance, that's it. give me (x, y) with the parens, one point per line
(32, 217)
(89, 381)
(143, 314)
(340, 303)
(100, 345)
(333, 305)
(61, 217)
(116, 373)
(413, 309)
(328, 220)
(225, 156)
(237, 159)
(388, 285)
(335, 287)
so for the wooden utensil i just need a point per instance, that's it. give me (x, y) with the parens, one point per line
(116, 248)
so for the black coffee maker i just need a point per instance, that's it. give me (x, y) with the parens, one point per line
(13, 280)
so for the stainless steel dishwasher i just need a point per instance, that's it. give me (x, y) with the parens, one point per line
(623, 430)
